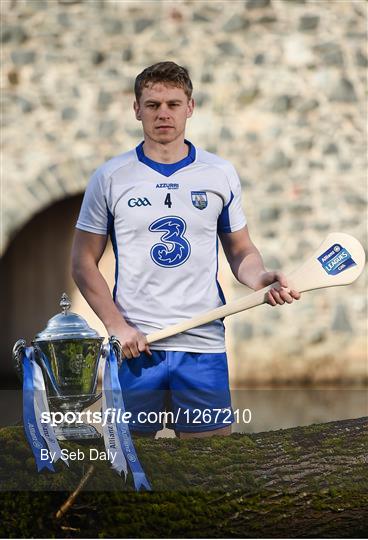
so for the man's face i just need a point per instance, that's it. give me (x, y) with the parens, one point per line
(163, 111)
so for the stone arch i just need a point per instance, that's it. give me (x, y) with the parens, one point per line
(35, 270)
(54, 183)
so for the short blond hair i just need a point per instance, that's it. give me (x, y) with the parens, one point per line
(164, 72)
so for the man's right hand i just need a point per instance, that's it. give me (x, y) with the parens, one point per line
(132, 341)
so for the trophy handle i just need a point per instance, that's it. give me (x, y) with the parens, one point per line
(18, 352)
(115, 344)
(96, 398)
(44, 362)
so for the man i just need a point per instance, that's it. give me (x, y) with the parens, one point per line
(165, 204)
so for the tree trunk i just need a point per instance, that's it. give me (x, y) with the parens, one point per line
(300, 482)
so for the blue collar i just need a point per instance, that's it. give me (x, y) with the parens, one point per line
(167, 169)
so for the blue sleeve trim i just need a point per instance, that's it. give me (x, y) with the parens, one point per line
(111, 232)
(223, 222)
(219, 289)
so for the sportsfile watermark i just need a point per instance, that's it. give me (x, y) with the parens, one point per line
(192, 416)
(263, 409)
(89, 417)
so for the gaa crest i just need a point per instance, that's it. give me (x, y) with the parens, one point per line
(199, 199)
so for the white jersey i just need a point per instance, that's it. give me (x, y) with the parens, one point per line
(163, 220)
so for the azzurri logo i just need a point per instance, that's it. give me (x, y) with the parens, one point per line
(139, 202)
(173, 249)
(336, 259)
(168, 186)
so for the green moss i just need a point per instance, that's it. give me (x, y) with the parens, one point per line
(216, 487)
(332, 442)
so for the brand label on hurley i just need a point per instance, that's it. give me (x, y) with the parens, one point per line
(336, 259)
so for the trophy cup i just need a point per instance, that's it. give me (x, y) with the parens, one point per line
(68, 352)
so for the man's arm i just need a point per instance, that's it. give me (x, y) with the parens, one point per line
(247, 266)
(87, 251)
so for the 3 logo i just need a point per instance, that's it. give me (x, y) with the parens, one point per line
(139, 202)
(173, 249)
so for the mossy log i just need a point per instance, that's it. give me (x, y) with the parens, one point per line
(301, 482)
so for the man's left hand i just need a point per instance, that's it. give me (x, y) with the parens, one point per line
(278, 295)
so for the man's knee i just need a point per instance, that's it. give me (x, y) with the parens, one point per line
(145, 434)
(223, 432)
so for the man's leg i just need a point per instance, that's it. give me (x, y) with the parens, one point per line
(146, 435)
(224, 432)
(143, 382)
(200, 394)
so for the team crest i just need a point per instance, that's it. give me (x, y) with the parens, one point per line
(76, 363)
(199, 199)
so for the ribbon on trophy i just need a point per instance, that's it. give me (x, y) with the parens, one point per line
(116, 434)
(42, 406)
(40, 435)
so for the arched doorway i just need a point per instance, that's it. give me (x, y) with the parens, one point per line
(35, 271)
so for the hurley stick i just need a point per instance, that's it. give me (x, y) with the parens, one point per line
(338, 261)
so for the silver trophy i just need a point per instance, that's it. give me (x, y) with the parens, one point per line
(68, 352)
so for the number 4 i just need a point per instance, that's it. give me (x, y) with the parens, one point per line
(168, 200)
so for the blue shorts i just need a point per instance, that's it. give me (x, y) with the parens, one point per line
(193, 389)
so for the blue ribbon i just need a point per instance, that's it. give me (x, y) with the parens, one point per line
(125, 439)
(35, 439)
(50, 373)
(121, 464)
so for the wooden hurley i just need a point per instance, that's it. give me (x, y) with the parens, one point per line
(339, 260)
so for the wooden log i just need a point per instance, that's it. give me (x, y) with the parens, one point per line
(300, 482)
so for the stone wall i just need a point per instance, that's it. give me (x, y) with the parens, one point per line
(280, 91)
